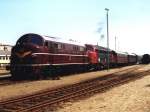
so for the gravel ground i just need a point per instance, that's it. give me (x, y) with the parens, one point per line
(130, 97)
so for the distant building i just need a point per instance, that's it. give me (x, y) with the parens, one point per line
(5, 52)
(5, 47)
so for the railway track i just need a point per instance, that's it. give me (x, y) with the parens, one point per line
(50, 98)
(6, 80)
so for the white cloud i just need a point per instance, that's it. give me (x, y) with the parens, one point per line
(133, 37)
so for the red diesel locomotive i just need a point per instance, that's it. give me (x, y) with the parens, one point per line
(41, 56)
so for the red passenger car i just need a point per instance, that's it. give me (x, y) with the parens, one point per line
(122, 58)
(132, 58)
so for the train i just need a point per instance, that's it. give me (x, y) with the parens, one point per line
(38, 56)
(145, 59)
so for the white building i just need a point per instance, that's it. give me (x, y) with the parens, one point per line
(5, 52)
(5, 47)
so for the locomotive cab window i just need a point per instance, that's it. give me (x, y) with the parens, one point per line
(31, 38)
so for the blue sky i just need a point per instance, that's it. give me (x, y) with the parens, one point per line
(79, 20)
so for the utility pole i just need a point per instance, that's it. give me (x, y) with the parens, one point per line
(115, 43)
(107, 39)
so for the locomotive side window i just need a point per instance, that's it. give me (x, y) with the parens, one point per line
(50, 45)
(55, 46)
(46, 43)
(62, 46)
(76, 48)
(81, 48)
(59, 46)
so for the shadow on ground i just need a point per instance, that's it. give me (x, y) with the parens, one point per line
(148, 85)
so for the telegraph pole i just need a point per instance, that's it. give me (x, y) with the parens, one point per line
(106, 9)
(115, 43)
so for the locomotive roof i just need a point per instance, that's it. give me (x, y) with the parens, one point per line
(55, 39)
(61, 40)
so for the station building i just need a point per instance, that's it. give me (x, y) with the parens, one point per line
(5, 52)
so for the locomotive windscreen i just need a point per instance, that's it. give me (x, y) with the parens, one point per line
(31, 38)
